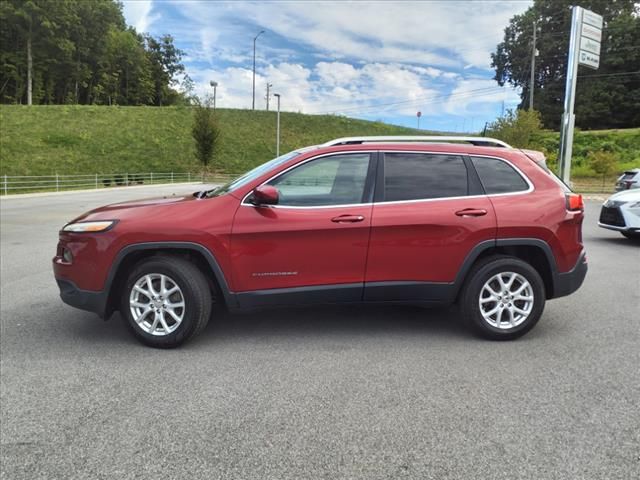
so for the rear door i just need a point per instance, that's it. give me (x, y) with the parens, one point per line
(429, 213)
(314, 240)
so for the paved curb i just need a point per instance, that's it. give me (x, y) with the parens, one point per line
(596, 196)
(111, 189)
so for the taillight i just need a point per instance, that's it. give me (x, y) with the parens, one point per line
(574, 202)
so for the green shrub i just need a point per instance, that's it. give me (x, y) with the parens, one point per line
(603, 163)
(517, 128)
(205, 131)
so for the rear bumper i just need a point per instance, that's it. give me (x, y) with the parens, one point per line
(83, 299)
(569, 282)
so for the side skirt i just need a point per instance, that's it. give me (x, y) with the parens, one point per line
(419, 293)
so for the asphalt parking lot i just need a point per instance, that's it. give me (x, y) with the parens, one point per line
(335, 393)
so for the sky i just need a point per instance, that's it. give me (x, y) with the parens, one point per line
(374, 60)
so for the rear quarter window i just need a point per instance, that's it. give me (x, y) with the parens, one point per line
(497, 176)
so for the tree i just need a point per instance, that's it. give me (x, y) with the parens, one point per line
(516, 127)
(81, 51)
(608, 98)
(603, 163)
(205, 131)
(165, 64)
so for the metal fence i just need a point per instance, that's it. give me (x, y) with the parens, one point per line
(57, 183)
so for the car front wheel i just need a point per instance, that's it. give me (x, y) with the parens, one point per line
(166, 301)
(503, 298)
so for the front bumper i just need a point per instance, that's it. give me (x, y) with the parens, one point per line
(70, 294)
(620, 217)
(567, 283)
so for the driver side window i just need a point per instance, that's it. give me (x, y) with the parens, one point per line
(333, 180)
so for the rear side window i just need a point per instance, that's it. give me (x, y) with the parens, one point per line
(498, 176)
(418, 176)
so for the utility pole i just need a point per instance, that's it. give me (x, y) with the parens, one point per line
(253, 101)
(277, 95)
(533, 65)
(269, 85)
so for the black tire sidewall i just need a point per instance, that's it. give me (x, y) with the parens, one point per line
(472, 294)
(192, 298)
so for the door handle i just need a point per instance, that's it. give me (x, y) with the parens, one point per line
(347, 219)
(471, 212)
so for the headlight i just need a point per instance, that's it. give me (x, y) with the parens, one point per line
(82, 227)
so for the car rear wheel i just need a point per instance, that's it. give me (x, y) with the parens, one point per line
(166, 301)
(503, 298)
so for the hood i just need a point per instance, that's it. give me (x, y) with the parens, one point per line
(625, 196)
(146, 207)
(147, 202)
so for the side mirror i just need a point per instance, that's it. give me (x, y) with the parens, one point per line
(265, 195)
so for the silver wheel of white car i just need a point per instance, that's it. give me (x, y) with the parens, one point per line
(506, 300)
(157, 304)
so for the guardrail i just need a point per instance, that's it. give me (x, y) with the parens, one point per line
(56, 183)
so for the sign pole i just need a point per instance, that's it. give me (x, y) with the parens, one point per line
(584, 49)
(568, 118)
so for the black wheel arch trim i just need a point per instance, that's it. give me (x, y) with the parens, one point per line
(481, 247)
(220, 278)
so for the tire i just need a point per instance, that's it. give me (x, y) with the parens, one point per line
(192, 292)
(631, 235)
(507, 323)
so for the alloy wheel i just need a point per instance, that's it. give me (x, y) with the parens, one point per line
(506, 300)
(157, 304)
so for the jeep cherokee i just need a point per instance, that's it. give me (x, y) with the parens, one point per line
(419, 220)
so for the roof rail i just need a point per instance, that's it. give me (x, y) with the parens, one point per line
(477, 141)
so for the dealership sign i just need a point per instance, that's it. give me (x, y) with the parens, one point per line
(590, 38)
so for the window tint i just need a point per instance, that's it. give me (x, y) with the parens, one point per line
(414, 176)
(335, 180)
(498, 176)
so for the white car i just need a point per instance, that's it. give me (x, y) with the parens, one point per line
(621, 212)
(628, 180)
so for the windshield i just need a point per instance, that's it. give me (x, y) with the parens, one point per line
(252, 174)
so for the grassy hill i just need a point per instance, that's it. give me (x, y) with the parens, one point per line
(624, 143)
(45, 140)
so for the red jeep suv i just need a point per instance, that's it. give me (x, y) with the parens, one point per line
(374, 219)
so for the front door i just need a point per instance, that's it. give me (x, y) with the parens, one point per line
(313, 244)
(426, 219)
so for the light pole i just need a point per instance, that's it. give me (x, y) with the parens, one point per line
(253, 102)
(277, 95)
(215, 86)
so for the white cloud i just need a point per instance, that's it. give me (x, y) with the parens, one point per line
(445, 33)
(368, 59)
(329, 87)
(138, 14)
